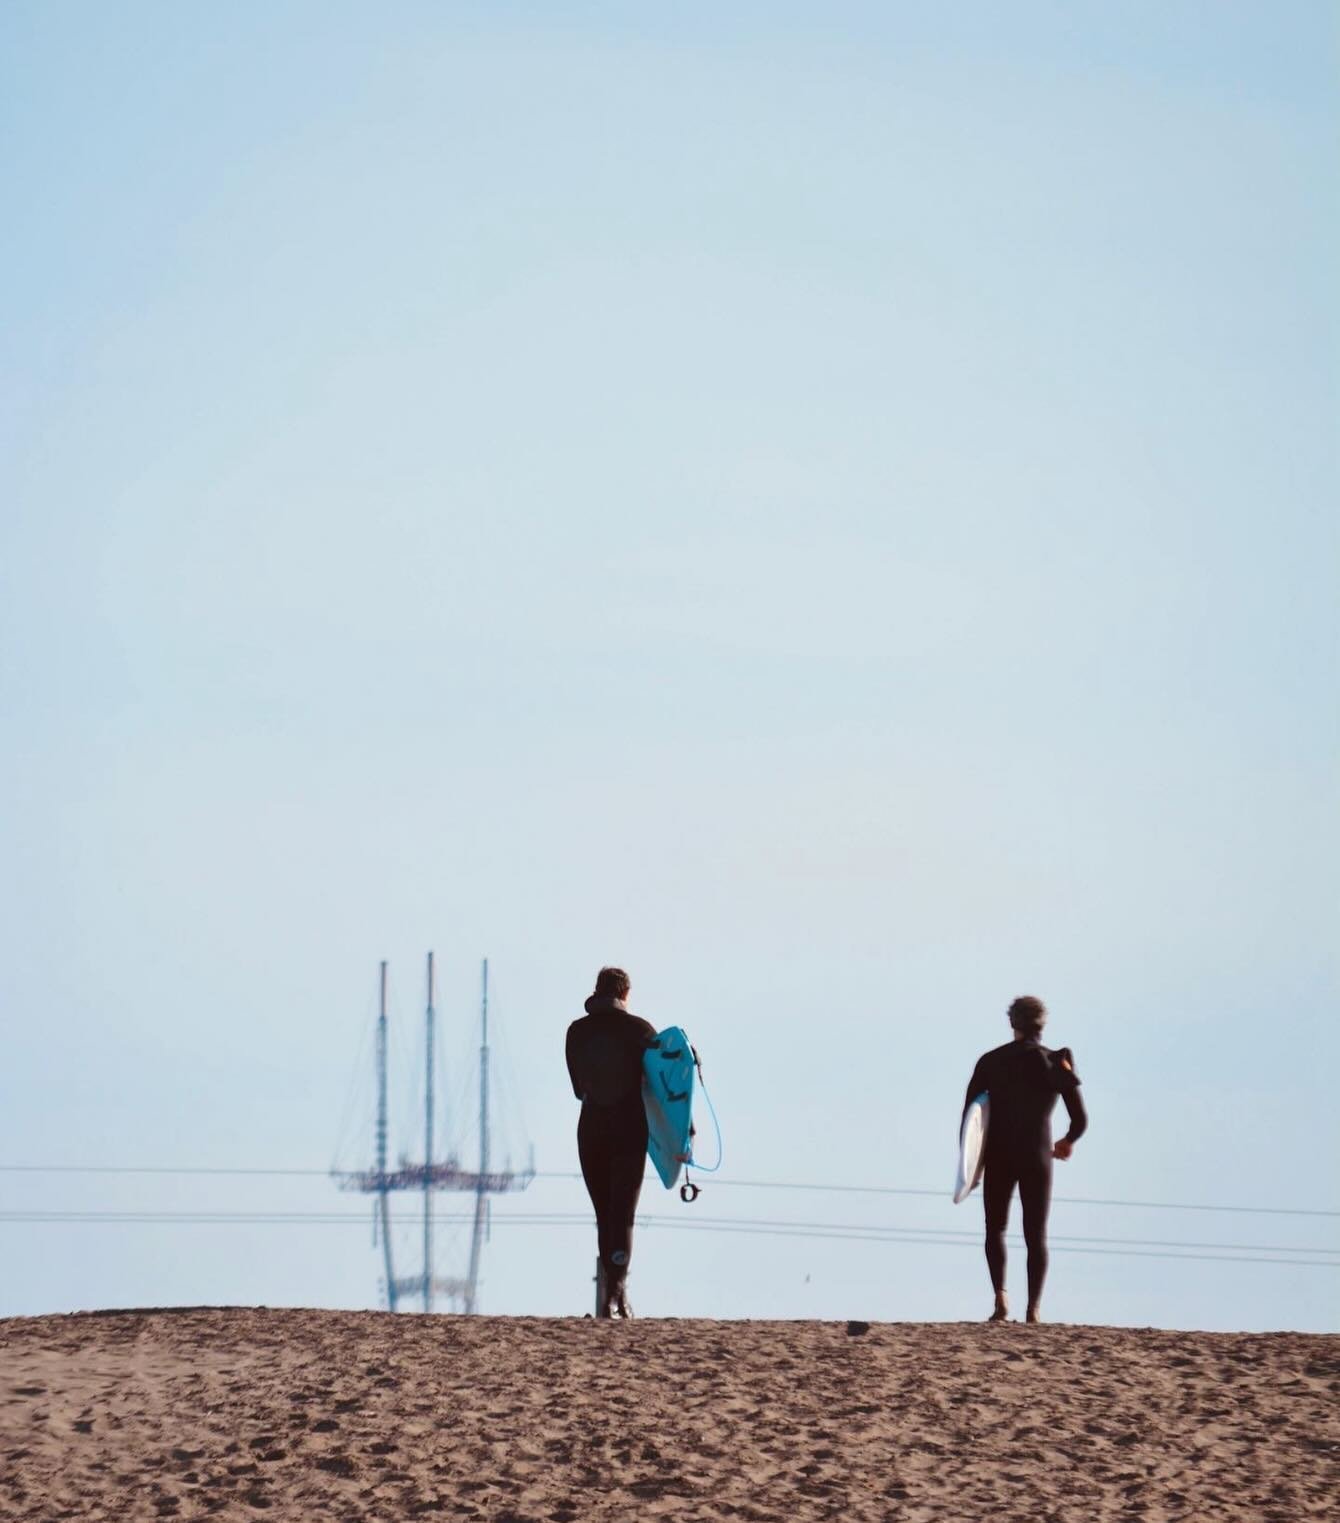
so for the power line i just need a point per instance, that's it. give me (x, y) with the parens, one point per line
(532, 1218)
(1069, 1200)
(1248, 1253)
(151, 1168)
(739, 1184)
(561, 1218)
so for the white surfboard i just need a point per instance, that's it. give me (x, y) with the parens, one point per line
(972, 1147)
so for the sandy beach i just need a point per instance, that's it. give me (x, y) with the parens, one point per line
(310, 1415)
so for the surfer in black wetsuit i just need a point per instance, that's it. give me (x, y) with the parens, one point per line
(604, 1051)
(1023, 1079)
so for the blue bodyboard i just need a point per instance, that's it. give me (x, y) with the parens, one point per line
(667, 1095)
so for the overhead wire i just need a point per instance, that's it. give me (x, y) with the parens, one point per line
(358, 1087)
(1296, 1255)
(1073, 1200)
(511, 1108)
(750, 1184)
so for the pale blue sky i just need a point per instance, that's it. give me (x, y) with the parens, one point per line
(830, 507)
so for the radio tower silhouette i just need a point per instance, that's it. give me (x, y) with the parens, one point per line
(431, 1175)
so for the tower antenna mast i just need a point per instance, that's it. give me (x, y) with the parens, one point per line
(429, 1018)
(426, 1177)
(383, 1193)
(483, 1183)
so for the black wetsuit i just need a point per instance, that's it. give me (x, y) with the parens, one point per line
(1023, 1079)
(604, 1052)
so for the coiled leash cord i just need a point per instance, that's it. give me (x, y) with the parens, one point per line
(688, 1191)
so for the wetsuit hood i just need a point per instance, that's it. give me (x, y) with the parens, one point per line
(605, 1004)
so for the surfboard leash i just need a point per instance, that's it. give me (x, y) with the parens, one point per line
(688, 1191)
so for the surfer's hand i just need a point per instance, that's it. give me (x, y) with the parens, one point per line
(1063, 1149)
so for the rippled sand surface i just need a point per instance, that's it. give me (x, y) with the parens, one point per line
(314, 1415)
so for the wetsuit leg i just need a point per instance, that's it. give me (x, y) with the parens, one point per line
(997, 1190)
(627, 1166)
(595, 1161)
(1035, 1196)
(613, 1150)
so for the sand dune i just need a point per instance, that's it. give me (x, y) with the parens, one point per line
(236, 1413)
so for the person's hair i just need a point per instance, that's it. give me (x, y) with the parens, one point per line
(1028, 1014)
(614, 982)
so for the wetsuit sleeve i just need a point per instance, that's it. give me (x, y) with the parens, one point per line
(570, 1053)
(975, 1087)
(1067, 1086)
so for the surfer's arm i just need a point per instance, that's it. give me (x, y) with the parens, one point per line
(572, 1071)
(1068, 1086)
(1079, 1117)
(975, 1087)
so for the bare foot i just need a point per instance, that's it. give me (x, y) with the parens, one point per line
(1002, 1311)
(1033, 1315)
